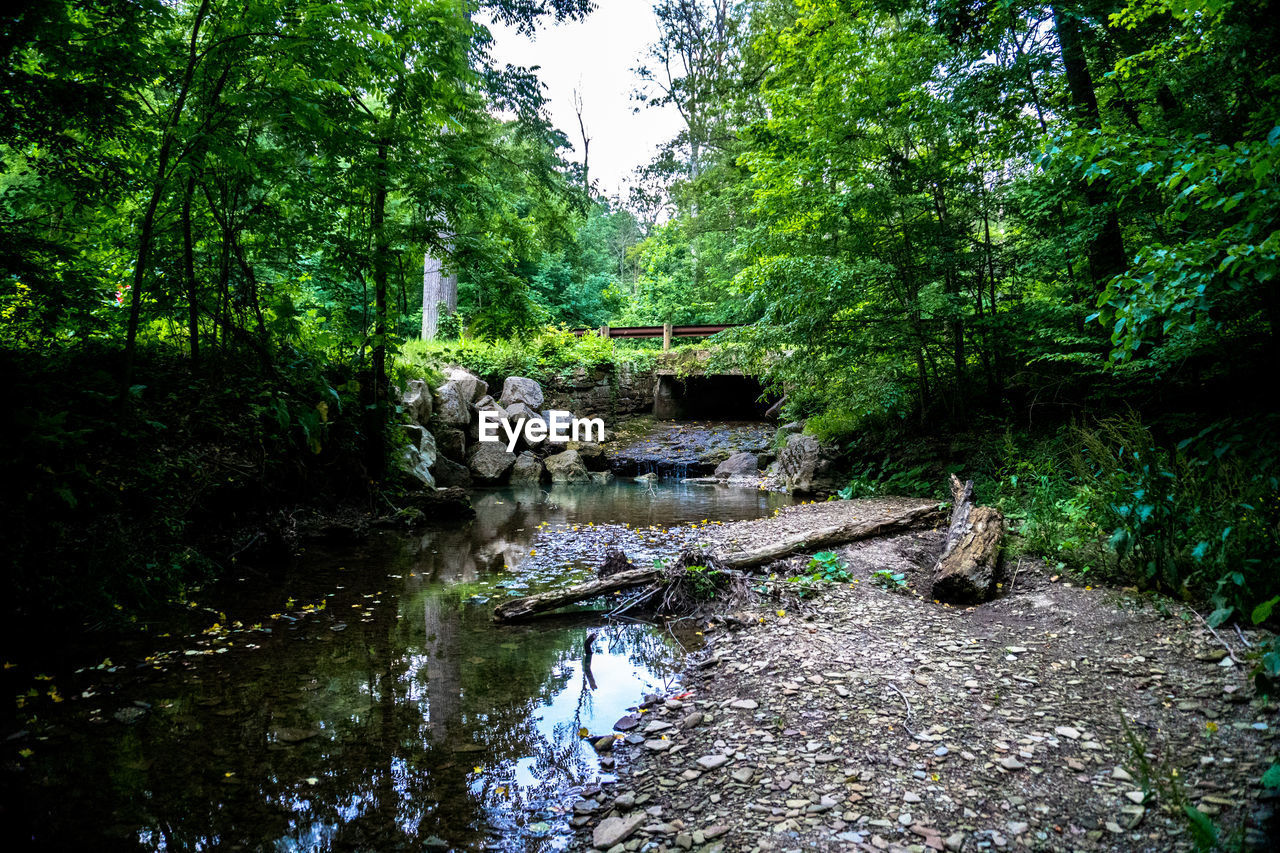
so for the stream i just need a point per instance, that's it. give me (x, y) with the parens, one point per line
(366, 701)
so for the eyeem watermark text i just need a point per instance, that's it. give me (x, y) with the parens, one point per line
(559, 428)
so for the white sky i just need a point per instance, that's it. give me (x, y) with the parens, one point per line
(596, 56)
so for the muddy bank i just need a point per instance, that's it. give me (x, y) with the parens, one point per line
(1054, 718)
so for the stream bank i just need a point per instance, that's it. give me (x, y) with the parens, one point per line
(1056, 717)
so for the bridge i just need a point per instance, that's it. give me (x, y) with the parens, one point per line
(666, 331)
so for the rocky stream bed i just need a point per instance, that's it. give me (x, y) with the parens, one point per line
(1056, 717)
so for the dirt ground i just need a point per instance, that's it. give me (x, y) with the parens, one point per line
(1056, 717)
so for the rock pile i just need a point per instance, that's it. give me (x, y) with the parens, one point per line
(444, 448)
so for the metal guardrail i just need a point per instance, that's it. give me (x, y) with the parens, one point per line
(665, 331)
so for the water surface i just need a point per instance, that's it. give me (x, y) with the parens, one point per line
(368, 702)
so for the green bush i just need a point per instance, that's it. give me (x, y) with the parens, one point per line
(549, 353)
(1197, 518)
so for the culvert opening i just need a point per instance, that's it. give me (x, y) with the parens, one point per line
(719, 397)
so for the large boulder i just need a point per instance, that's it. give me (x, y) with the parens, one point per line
(518, 413)
(451, 408)
(423, 442)
(518, 389)
(528, 469)
(452, 443)
(567, 467)
(738, 463)
(489, 461)
(470, 386)
(487, 404)
(417, 400)
(806, 466)
(449, 473)
(417, 457)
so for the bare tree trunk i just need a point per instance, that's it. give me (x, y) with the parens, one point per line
(143, 261)
(189, 272)
(439, 285)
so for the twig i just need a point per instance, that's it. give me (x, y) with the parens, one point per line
(907, 724)
(632, 603)
(1017, 568)
(1230, 653)
(1240, 634)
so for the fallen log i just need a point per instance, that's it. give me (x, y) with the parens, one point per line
(721, 559)
(520, 608)
(966, 570)
(839, 534)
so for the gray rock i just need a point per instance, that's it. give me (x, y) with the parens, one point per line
(449, 473)
(806, 466)
(527, 469)
(452, 443)
(419, 455)
(518, 413)
(451, 408)
(417, 401)
(412, 463)
(744, 704)
(489, 462)
(422, 441)
(738, 463)
(601, 477)
(567, 467)
(615, 830)
(711, 762)
(470, 387)
(487, 404)
(518, 389)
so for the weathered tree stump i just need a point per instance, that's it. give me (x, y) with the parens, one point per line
(970, 562)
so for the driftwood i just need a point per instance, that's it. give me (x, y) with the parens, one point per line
(520, 608)
(966, 571)
(909, 519)
(720, 560)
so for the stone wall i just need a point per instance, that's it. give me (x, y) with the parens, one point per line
(607, 391)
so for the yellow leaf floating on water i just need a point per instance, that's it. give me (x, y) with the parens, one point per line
(781, 614)
(500, 790)
(26, 753)
(478, 769)
(583, 732)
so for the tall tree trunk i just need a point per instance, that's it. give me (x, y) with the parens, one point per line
(381, 249)
(1106, 252)
(147, 229)
(189, 272)
(439, 286)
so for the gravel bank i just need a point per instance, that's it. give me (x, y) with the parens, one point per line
(1055, 718)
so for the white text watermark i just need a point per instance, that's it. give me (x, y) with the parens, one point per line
(559, 428)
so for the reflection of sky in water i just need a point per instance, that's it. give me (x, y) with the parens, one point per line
(397, 715)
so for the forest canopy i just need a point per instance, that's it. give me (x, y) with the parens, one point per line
(929, 216)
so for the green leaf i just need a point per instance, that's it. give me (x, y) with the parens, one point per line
(1271, 779)
(1217, 617)
(1202, 828)
(1262, 612)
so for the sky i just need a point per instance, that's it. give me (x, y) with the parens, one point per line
(596, 56)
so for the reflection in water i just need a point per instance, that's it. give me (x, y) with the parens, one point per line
(397, 717)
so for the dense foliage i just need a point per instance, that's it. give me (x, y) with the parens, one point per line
(1048, 228)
